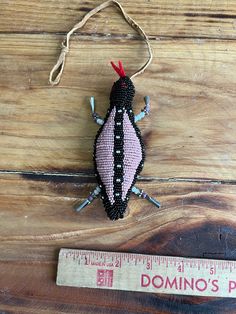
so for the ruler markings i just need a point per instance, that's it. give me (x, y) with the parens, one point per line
(147, 273)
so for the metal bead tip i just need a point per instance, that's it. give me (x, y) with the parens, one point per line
(79, 207)
(155, 202)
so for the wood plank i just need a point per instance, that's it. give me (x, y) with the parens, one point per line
(37, 210)
(196, 220)
(31, 289)
(186, 18)
(189, 133)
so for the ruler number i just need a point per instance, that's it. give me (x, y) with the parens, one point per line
(117, 263)
(181, 267)
(148, 266)
(212, 271)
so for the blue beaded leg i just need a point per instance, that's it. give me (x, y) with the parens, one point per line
(95, 116)
(145, 111)
(144, 195)
(89, 200)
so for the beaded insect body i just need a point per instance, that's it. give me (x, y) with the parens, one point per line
(118, 149)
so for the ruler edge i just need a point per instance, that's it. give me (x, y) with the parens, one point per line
(200, 259)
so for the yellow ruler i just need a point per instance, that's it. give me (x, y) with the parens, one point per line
(146, 273)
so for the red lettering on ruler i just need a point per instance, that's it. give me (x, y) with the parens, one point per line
(215, 284)
(157, 281)
(187, 283)
(232, 285)
(145, 280)
(201, 284)
(171, 284)
(182, 283)
(105, 277)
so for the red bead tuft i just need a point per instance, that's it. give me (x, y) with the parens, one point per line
(119, 70)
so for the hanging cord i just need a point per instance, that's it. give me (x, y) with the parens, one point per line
(59, 66)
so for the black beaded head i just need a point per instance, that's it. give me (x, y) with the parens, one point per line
(123, 91)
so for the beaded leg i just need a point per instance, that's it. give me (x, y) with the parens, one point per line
(89, 200)
(145, 111)
(142, 194)
(95, 116)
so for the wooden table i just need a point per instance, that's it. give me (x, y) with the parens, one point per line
(47, 136)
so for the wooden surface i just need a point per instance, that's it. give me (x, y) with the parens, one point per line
(47, 138)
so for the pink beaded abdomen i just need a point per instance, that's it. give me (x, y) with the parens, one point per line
(119, 157)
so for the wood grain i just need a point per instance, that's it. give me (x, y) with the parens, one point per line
(185, 18)
(196, 220)
(46, 143)
(189, 133)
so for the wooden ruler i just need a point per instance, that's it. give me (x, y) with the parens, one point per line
(146, 273)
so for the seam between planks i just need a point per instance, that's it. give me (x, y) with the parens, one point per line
(120, 36)
(46, 175)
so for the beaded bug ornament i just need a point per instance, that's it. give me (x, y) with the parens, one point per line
(119, 151)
